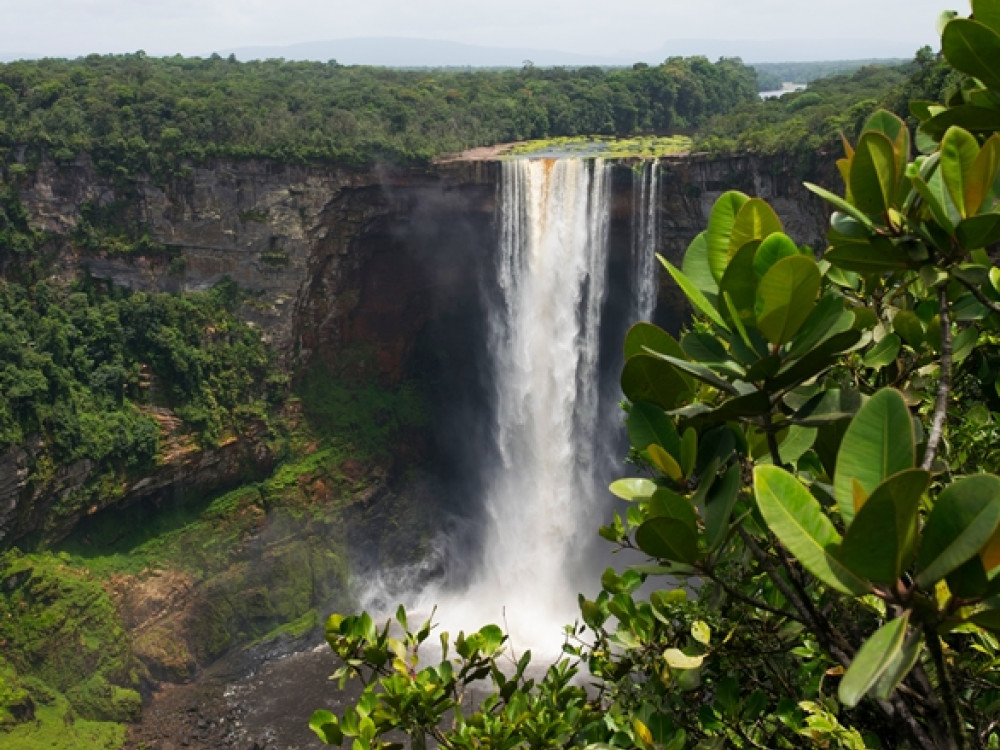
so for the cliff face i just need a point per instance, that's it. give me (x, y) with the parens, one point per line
(366, 272)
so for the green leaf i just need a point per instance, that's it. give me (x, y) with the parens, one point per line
(978, 231)
(826, 320)
(880, 542)
(647, 423)
(677, 659)
(968, 580)
(873, 175)
(815, 361)
(649, 378)
(669, 504)
(938, 201)
(327, 728)
(867, 258)
(873, 659)
(646, 335)
(878, 443)
(701, 632)
(962, 521)
(633, 489)
(697, 370)
(695, 266)
(775, 247)
(720, 227)
(982, 175)
(785, 297)
(959, 150)
(797, 519)
(884, 352)
(908, 326)
(664, 462)
(668, 539)
(973, 48)
(694, 295)
(840, 204)
(740, 284)
(973, 118)
(719, 506)
(987, 12)
(756, 220)
(900, 666)
(689, 451)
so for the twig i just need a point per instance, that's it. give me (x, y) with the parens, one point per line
(978, 294)
(944, 383)
(955, 724)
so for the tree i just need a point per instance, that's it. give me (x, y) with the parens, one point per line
(793, 461)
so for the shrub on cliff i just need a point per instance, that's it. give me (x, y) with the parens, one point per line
(792, 452)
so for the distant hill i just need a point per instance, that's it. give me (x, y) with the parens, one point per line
(416, 53)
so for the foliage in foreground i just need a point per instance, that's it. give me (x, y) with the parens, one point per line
(793, 442)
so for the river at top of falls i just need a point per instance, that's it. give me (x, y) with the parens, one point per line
(556, 436)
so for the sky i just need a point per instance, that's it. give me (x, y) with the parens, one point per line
(70, 28)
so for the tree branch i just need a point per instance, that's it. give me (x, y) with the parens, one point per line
(944, 383)
(978, 294)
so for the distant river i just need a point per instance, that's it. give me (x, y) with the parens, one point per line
(785, 88)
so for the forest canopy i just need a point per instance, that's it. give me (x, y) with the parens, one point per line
(135, 113)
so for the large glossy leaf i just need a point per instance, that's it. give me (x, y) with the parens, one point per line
(968, 580)
(878, 443)
(777, 246)
(974, 118)
(647, 423)
(798, 521)
(873, 173)
(668, 504)
(648, 378)
(987, 12)
(720, 228)
(695, 267)
(895, 130)
(697, 370)
(719, 506)
(973, 48)
(938, 201)
(900, 666)
(978, 231)
(874, 657)
(866, 258)
(698, 300)
(880, 542)
(826, 320)
(755, 221)
(668, 539)
(817, 360)
(667, 464)
(785, 297)
(646, 335)
(632, 489)
(840, 204)
(740, 285)
(884, 352)
(963, 520)
(908, 326)
(959, 150)
(982, 175)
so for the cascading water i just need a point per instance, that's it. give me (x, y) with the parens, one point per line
(556, 426)
(645, 237)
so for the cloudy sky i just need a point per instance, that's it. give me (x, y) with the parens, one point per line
(68, 28)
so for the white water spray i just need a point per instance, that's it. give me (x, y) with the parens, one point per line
(645, 238)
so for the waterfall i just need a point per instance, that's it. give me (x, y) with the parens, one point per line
(645, 237)
(553, 344)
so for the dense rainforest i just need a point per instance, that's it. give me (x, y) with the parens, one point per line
(137, 114)
(113, 383)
